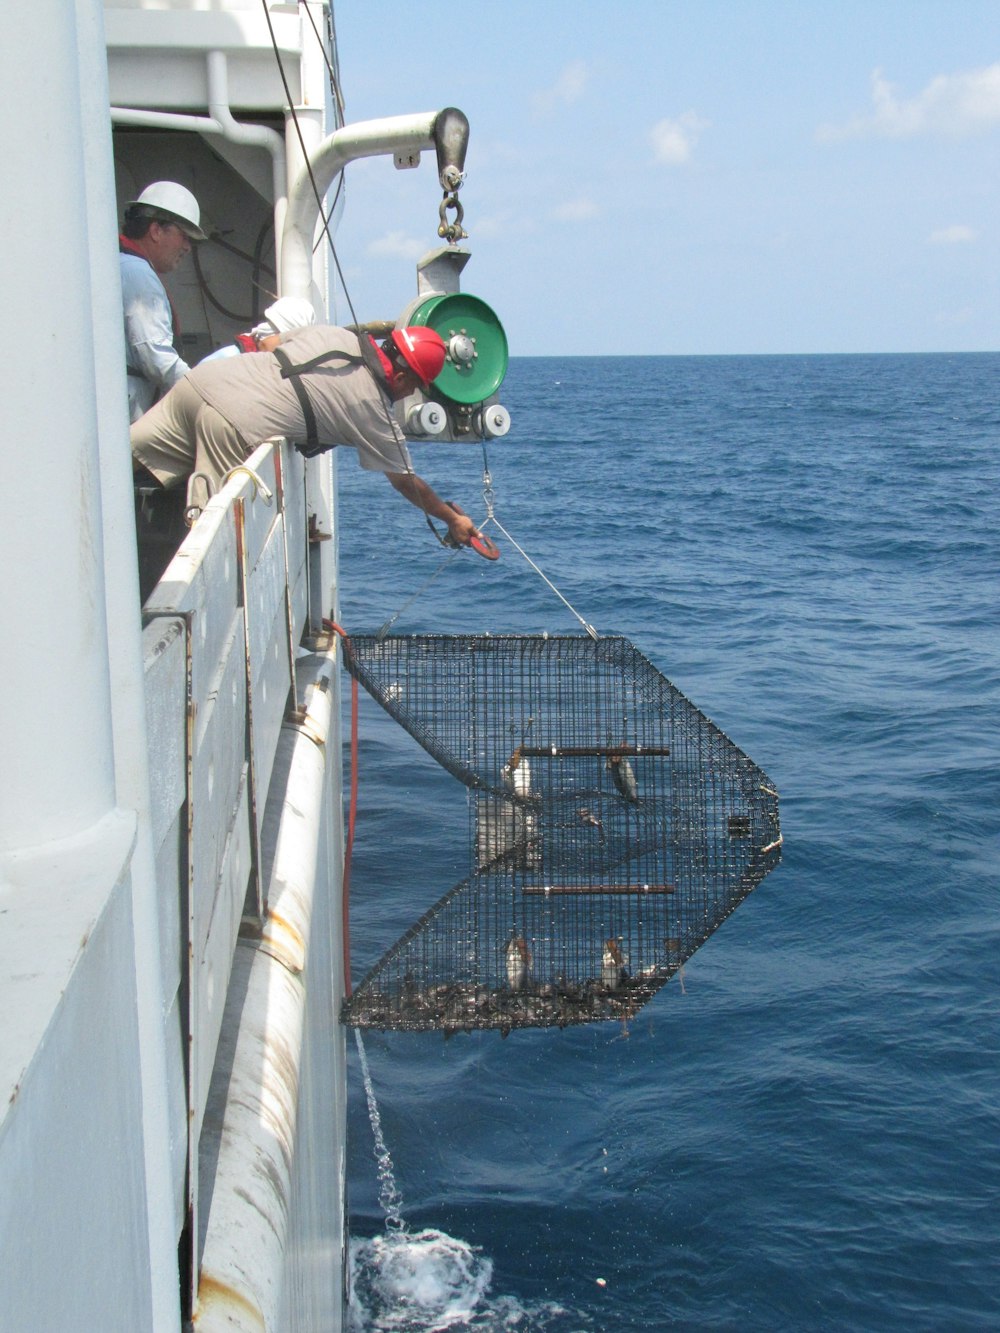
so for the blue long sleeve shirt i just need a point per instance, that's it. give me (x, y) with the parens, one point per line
(153, 363)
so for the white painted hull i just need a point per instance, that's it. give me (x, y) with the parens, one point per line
(172, 1134)
(173, 1068)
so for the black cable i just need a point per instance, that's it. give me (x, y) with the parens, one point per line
(338, 101)
(319, 239)
(223, 244)
(207, 292)
(256, 259)
(305, 157)
(258, 262)
(335, 92)
(407, 464)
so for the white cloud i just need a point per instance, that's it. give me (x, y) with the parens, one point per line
(580, 209)
(674, 140)
(568, 88)
(956, 235)
(397, 245)
(951, 104)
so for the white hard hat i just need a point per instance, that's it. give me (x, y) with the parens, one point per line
(290, 312)
(180, 203)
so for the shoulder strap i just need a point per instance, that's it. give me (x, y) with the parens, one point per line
(289, 371)
(293, 372)
(367, 355)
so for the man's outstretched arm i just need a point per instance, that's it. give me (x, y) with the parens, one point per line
(419, 493)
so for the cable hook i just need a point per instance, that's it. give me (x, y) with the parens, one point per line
(488, 495)
(192, 510)
(260, 486)
(451, 231)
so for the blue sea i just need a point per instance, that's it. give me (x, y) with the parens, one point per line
(802, 1130)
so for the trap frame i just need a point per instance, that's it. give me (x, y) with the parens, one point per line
(613, 827)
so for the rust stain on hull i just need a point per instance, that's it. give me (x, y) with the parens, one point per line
(284, 941)
(216, 1298)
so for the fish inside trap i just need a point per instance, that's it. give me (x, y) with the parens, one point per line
(613, 827)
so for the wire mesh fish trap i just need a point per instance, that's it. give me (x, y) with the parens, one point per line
(613, 827)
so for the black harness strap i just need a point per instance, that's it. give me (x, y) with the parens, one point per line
(289, 369)
(293, 372)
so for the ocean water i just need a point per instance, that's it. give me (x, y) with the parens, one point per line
(802, 1131)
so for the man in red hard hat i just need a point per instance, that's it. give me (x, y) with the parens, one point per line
(419, 350)
(321, 387)
(156, 236)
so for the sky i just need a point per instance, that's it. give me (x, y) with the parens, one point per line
(692, 177)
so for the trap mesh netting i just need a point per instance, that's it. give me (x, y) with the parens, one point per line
(613, 827)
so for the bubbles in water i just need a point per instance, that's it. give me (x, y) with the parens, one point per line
(424, 1281)
(429, 1282)
(388, 1195)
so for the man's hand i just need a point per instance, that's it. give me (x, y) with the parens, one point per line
(460, 526)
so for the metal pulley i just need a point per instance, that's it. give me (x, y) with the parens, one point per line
(492, 422)
(426, 419)
(476, 346)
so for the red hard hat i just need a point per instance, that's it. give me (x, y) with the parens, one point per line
(423, 351)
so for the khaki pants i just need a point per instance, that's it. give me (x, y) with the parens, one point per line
(182, 435)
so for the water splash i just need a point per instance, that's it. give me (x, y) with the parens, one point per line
(429, 1282)
(426, 1281)
(388, 1195)
(416, 1282)
(407, 1280)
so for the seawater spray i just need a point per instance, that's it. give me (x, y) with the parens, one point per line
(389, 1196)
(427, 1281)
(410, 1281)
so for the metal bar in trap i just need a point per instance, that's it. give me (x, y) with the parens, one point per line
(542, 890)
(575, 751)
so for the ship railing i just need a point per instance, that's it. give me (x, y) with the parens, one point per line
(221, 636)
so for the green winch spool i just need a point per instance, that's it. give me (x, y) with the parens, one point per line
(476, 343)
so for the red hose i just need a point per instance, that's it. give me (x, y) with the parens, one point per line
(351, 817)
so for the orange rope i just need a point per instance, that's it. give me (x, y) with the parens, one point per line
(351, 818)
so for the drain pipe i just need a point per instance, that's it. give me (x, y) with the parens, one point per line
(258, 136)
(403, 136)
(221, 121)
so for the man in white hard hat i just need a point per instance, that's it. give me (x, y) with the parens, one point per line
(156, 236)
(287, 313)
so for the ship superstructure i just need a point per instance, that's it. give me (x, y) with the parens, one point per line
(172, 1139)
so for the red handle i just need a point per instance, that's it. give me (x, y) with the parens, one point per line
(481, 544)
(487, 549)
